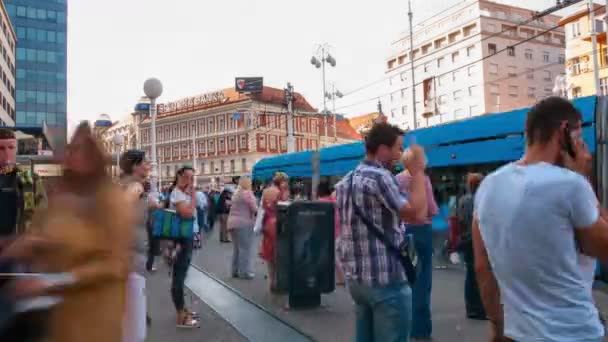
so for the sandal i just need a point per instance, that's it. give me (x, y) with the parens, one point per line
(188, 322)
(192, 314)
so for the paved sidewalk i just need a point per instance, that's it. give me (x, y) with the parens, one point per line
(334, 321)
(213, 328)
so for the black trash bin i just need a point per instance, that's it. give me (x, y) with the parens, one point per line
(305, 251)
(282, 249)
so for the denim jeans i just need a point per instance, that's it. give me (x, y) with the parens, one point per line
(180, 271)
(422, 325)
(153, 249)
(384, 314)
(472, 297)
(242, 241)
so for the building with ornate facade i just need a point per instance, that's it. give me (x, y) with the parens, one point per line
(225, 132)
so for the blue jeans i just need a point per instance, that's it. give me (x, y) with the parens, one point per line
(384, 314)
(422, 325)
(180, 271)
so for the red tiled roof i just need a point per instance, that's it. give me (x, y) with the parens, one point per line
(346, 131)
(275, 96)
(364, 121)
(268, 95)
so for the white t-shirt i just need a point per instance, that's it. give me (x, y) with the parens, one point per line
(527, 217)
(179, 196)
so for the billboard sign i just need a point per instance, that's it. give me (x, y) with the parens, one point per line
(48, 170)
(249, 84)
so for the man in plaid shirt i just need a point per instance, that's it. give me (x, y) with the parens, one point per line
(376, 279)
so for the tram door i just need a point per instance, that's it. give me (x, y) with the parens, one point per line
(600, 161)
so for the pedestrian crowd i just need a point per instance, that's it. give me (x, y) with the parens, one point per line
(529, 233)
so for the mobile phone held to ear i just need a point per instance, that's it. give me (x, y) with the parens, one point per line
(568, 145)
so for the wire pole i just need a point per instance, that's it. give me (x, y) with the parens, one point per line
(324, 90)
(596, 68)
(334, 114)
(411, 17)
(289, 99)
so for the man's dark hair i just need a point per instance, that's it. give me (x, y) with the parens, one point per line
(130, 159)
(381, 134)
(182, 170)
(7, 134)
(546, 117)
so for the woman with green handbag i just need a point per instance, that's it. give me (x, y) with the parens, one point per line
(183, 200)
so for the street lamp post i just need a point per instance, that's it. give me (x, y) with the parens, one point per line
(319, 61)
(153, 89)
(118, 140)
(335, 93)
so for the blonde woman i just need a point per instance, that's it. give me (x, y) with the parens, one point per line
(240, 225)
(422, 231)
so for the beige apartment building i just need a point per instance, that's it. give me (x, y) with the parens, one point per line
(454, 82)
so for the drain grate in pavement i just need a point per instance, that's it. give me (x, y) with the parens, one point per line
(249, 319)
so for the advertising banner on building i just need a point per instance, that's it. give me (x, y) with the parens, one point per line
(249, 84)
(428, 93)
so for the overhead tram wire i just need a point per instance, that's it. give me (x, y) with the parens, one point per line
(466, 65)
(384, 78)
(487, 82)
(496, 34)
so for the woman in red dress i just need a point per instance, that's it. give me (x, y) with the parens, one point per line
(278, 191)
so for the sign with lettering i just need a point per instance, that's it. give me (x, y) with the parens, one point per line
(48, 170)
(191, 102)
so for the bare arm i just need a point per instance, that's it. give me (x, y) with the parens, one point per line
(250, 198)
(185, 209)
(589, 220)
(488, 287)
(593, 240)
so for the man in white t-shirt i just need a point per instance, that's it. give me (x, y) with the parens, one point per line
(531, 219)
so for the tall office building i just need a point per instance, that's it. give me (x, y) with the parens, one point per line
(41, 28)
(7, 69)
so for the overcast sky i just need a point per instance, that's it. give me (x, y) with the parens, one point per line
(196, 46)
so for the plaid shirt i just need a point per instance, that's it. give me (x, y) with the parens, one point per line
(376, 192)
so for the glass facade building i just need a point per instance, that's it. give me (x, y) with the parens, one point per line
(41, 67)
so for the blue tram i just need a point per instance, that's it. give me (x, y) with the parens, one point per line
(479, 144)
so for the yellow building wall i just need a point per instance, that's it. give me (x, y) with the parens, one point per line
(582, 48)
